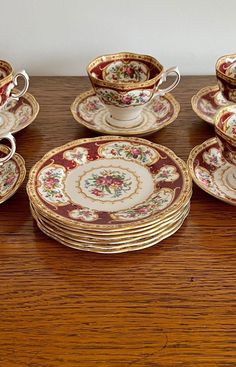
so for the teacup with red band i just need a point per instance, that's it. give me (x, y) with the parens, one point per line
(225, 128)
(226, 75)
(125, 82)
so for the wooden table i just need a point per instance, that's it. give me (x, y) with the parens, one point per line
(173, 304)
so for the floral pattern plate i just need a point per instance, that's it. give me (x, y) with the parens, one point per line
(109, 183)
(107, 249)
(114, 238)
(18, 114)
(207, 102)
(88, 110)
(12, 174)
(212, 172)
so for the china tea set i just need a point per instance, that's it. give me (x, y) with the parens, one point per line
(119, 192)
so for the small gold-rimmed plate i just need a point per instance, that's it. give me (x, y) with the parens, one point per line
(12, 174)
(19, 114)
(109, 183)
(139, 244)
(111, 240)
(116, 232)
(89, 111)
(207, 102)
(212, 172)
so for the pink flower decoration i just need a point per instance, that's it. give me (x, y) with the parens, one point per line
(129, 71)
(143, 210)
(135, 152)
(97, 192)
(126, 99)
(116, 182)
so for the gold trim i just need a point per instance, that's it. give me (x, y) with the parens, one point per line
(150, 241)
(6, 66)
(127, 132)
(108, 239)
(186, 189)
(116, 231)
(124, 55)
(192, 156)
(111, 244)
(20, 162)
(110, 232)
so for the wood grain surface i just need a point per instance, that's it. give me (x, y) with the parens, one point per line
(173, 304)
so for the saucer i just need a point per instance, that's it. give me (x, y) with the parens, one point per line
(18, 114)
(212, 172)
(12, 174)
(207, 102)
(89, 111)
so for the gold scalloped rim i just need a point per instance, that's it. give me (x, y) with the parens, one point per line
(169, 231)
(124, 55)
(110, 236)
(192, 156)
(20, 162)
(129, 132)
(118, 230)
(110, 242)
(184, 195)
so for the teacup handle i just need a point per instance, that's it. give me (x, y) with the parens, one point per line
(25, 76)
(165, 74)
(12, 141)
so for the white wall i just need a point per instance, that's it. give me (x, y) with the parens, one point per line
(59, 37)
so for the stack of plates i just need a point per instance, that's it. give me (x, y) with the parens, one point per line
(109, 194)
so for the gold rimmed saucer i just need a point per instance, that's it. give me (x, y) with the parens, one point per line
(19, 114)
(212, 172)
(12, 174)
(207, 102)
(89, 111)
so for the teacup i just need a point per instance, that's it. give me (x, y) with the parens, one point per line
(8, 80)
(226, 75)
(225, 128)
(125, 82)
